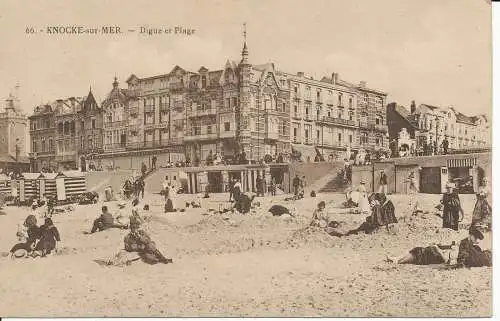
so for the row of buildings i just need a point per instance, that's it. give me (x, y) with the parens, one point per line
(427, 125)
(256, 109)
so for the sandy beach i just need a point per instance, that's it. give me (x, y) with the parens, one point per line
(243, 265)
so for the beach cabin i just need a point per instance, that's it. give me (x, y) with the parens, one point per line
(47, 184)
(71, 184)
(5, 186)
(28, 186)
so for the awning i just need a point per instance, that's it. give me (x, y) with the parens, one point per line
(464, 162)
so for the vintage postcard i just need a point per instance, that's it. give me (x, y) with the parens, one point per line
(226, 158)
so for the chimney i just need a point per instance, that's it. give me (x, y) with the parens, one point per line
(413, 107)
(335, 78)
(362, 84)
(300, 74)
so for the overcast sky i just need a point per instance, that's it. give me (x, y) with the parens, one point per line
(432, 51)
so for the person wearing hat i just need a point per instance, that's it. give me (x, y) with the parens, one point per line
(481, 216)
(33, 231)
(382, 182)
(452, 208)
(320, 216)
(49, 238)
(469, 252)
(139, 241)
(363, 203)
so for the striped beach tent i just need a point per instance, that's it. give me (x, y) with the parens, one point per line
(75, 183)
(5, 186)
(47, 184)
(28, 186)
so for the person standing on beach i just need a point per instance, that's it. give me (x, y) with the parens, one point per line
(383, 182)
(452, 208)
(481, 216)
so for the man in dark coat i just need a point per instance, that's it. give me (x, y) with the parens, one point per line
(105, 221)
(296, 185)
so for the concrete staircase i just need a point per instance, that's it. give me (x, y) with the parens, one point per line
(334, 183)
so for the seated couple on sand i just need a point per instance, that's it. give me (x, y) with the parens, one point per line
(106, 221)
(383, 214)
(36, 241)
(469, 253)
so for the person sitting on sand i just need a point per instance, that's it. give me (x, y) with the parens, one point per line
(244, 203)
(383, 211)
(320, 216)
(33, 232)
(49, 238)
(366, 227)
(470, 254)
(105, 221)
(139, 241)
(279, 210)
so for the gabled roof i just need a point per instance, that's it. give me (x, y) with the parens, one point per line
(404, 113)
(131, 77)
(202, 69)
(461, 118)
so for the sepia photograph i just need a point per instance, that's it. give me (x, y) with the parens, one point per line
(237, 158)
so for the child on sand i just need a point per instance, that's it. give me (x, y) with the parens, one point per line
(139, 241)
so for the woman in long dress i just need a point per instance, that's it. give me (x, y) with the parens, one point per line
(482, 210)
(452, 208)
(363, 203)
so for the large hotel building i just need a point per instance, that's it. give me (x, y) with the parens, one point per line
(242, 107)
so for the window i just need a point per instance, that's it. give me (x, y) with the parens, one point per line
(351, 115)
(60, 129)
(209, 129)
(51, 145)
(227, 126)
(60, 146)
(295, 90)
(283, 107)
(340, 113)
(33, 146)
(295, 133)
(350, 138)
(365, 98)
(377, 121)
(318, 95)
(317, 135)
(43, 145)
(340, 137)
(235, 101)
(340, 99)
(318, 113)
(350, 102)
(203, 82)
(110, 118)
(296, 108)
(363, 138)
(377, 141)
(228, 103)
(307, 111)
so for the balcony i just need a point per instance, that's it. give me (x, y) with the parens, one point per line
(42, 154)
(201, 113)
(381, 128)
(149, 109)
(272, 134)
(228, 134)
(338, 121)
(176, 87)
(115, 124)
(308, 117)
(201, 137)
(164, 108)
(296, 116)
(309, 141)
